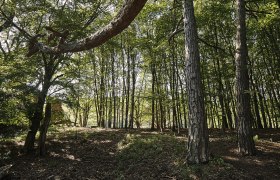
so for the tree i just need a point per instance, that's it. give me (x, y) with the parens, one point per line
(246, 144)
(50, 68)
(44, 129)
(197, 127)
(126, 15)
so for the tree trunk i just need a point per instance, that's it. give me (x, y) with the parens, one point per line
(128, 90)
(38, 113)
(262, 110)
(131, 121)
(257, 113)
(44, 129)
(246, 144)
(228, 113)
(153, 95)
(197, 147)
(35, 124)
(114, 90)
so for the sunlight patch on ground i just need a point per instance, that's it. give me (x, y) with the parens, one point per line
(69, 156)
(182, 138)
(66, 156)
(41, 170)
(214, 139)
(176, 162)
(86, 129)
(53, 154)
(126, 142)
(146, 132)
(258, 162)
(102, 142)
(231, 158)
(234, 150)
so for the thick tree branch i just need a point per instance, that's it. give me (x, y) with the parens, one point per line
(126, 15)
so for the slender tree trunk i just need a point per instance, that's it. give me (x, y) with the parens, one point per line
(197, 147)
(266, 107)
(76, 116)
(38, 113)
(35, 124)
(131, 119)
(272, 108)
(246, 144)
(96, 98)
(262, 110)
(110, 111)
(160, 93)
(229, 116)
(153, 94)
(210, 106)
(114, 90)
(124, 89)
(183, 103)
(231, 97)
(96, 102)
(255, 100)
(44, 129)
(103, 99)
(128, 90)
(216, 113)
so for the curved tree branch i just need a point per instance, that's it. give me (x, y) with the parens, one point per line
(128, 12)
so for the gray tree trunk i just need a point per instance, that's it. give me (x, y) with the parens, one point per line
(44, 129)
(38, 113)
(246, 144)
(197, 127)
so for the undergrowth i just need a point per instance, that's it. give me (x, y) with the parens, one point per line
(161, 156)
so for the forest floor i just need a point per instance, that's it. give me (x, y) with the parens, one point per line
(85, 153)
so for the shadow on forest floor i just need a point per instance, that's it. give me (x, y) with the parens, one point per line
(265, 165)
(85, 153)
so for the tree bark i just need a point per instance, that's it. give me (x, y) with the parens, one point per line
(128, 89)
(128, 12)
(153, 69)
(131, 119)
(44, 129)
(35, 124)
(114, 90)
(246, 144)
(197, 147)
(38, 113)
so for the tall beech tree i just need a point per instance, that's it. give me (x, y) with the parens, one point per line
(246, 144)
(197, 127)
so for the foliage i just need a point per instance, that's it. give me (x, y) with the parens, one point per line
(89, 81)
